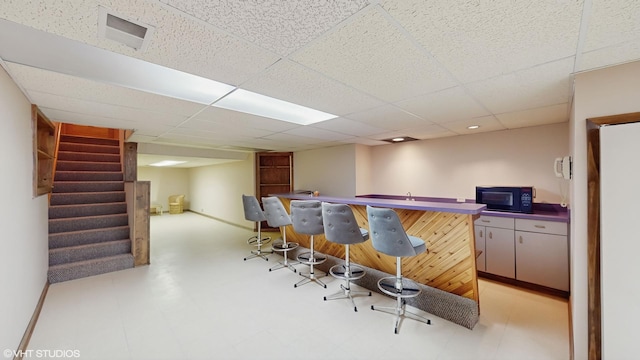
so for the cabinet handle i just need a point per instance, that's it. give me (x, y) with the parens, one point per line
(481, 233)
(520, 239)
(485, 220)
(540, 226)
(490, 234)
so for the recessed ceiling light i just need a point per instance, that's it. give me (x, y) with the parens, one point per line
(167, 163)
(473, 127)
(399, 139)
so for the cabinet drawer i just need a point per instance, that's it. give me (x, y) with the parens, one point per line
(495, 221)
(539, 226)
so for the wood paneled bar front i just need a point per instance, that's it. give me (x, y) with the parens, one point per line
(449, 264)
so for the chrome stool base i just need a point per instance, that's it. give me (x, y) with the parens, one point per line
(311, 258)
(355, 272)
(284, 248)
(258, 252)
(395, 286)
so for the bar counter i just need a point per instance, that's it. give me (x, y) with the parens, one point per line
(449, 264)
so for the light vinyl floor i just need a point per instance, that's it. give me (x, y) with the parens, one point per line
(199, 300)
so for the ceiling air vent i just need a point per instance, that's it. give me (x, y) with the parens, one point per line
(127, 32)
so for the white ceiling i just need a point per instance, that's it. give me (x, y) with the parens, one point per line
(424, 69)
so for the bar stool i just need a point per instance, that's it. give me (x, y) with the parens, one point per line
(341, 227)
(306, 216)
(277, 216)
(388, 237)
(253, 212)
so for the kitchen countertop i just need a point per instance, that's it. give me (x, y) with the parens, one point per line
(394, 202)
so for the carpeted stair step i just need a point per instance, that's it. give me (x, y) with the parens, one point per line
(86, 198)
(87, 223)
(89, 148)
(83, 156)
(87, 166)
(87, 186)
(80, 210)
(88, 176)
(87, 252)
(80, 269)
(88, 140)
(88, 237)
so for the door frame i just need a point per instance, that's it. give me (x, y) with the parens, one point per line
(593, 226)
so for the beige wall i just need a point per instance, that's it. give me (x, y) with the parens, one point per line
(331, 171)
(609, 91)
(24, 245)
(453, 167)
(217, 190)
(448, 167)
(166, 182)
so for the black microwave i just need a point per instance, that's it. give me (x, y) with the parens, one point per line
(506, 198)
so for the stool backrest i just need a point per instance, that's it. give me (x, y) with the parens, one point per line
(252, 210)
(387, 234)
(340, 225)
(275, 212)
(306, 216)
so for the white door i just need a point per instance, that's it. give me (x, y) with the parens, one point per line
(620, 239)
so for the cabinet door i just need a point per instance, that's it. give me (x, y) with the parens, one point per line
(480, 241)
(500, 257)
(543, 259)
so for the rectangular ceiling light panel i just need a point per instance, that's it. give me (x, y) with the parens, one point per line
(261, 105)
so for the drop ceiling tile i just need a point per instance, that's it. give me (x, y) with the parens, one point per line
(611, 55)
(292, 82)
(534, 117)
(97, 109)
(486, 123)
(480, 39)
(96, 120)
(444, 106)
(612, 22)
(50, 82)
(367, 141)
(243, 120)
(280, 26)
(349, 127)
(224, 128)
(372, 55)
(543, 85)
(176, 42)
(293, 140)
(429, 132)
(317, 133)
(388, 117)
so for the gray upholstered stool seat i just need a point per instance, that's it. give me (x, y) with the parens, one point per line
(277, 216)
(253, 212)
(306, 216)
(341, 227)
(388, 237)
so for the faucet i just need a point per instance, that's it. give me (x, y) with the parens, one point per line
(409, 195)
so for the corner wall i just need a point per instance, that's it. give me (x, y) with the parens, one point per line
(331, 171)
(604, 92)
(217, 190)
(166, 182)
(24, 256)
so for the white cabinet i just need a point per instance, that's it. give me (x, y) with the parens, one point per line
(499, 251)
(542, 253)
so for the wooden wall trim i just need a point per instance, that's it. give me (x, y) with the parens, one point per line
(594, 309)
(24, 343)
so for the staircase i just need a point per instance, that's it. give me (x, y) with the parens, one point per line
(88, 221)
